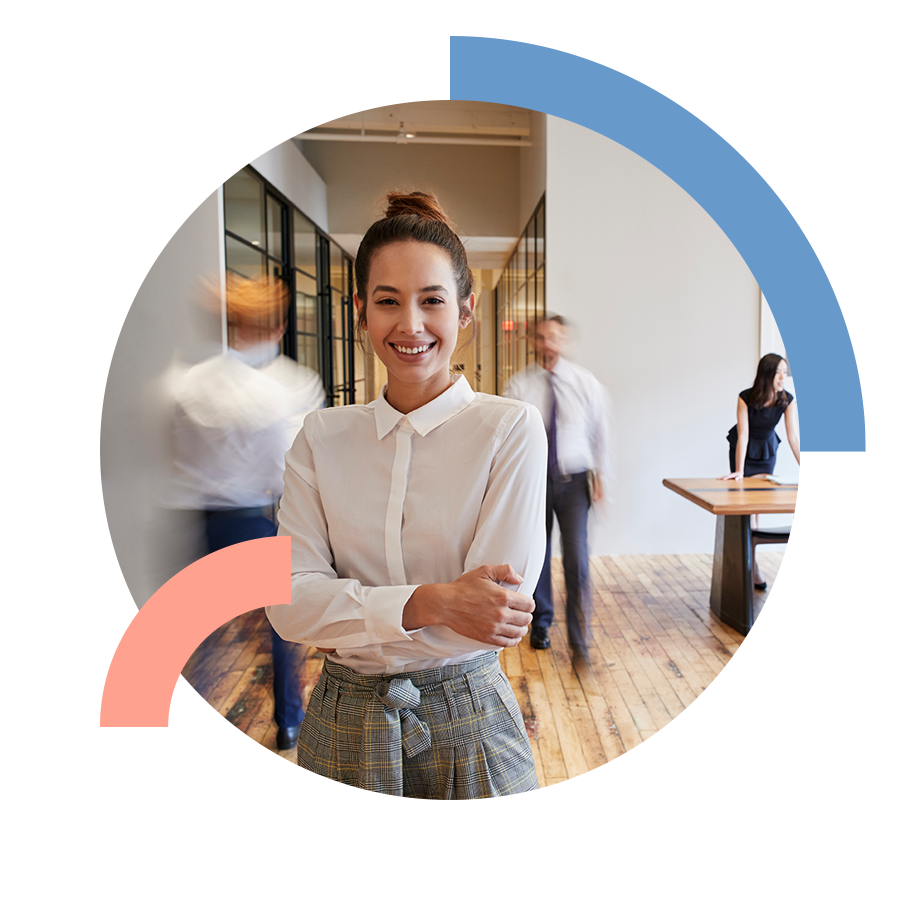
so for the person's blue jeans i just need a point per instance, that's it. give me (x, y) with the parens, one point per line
(568, 499)
(223, 529)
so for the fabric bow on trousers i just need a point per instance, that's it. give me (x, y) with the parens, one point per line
(390, 724)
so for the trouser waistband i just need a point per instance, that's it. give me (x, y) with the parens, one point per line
(243, 512)
(422, 679)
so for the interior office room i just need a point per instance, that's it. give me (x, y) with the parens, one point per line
(556, 220)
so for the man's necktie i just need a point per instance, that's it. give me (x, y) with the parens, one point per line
(552, 461)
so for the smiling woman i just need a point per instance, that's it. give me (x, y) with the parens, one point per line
(417, 538)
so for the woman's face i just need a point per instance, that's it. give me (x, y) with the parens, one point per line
(780, 375)
(413, 317)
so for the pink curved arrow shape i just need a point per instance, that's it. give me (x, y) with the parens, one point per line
(176, 619)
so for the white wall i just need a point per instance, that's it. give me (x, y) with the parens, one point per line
(533, 169)
(285, 168)
(667, 317)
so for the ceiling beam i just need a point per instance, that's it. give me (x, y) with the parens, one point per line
(399, 138)
(428, 127)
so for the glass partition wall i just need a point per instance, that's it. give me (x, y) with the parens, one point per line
(520, 300)
(349, 375)
(265, 234)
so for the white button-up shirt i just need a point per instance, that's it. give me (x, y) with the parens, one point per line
(236, 415)
(582, 413)
(377, 503)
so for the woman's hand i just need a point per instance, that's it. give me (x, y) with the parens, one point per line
(475, 606)
(743, 439)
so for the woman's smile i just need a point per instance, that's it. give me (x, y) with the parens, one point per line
(413, 350)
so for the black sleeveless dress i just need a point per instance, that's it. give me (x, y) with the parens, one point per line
(762, 445)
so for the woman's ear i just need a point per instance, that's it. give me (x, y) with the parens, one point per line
(360, 305)
(466, 311)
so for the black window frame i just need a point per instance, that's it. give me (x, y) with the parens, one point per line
(285, 268)
(531, 283)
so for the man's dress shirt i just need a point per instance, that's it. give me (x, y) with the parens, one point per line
(582, 422)
(236, 415)
(377, 503)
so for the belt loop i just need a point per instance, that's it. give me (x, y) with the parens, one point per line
(474, 693)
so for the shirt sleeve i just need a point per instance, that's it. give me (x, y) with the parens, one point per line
(599, 437)
(327, 611)
(511, 526)
(514, 387)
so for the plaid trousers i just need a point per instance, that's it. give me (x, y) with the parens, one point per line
(449, 733)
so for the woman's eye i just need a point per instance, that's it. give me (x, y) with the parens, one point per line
(385, 301)
(435, 300)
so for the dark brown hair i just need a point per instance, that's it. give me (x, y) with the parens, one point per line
(762, 390)
(416, 216)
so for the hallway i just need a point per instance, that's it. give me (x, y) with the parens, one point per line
(656, 647)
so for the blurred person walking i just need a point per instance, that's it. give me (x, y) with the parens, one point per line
(574, 407)
(236, 415)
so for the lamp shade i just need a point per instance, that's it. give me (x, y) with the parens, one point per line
(788, 131)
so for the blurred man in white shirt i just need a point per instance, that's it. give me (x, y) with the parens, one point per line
(574, 407)
(236, 415)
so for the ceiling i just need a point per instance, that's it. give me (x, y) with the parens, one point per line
(432, 122)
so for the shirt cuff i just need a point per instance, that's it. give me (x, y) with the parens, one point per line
(384, 613)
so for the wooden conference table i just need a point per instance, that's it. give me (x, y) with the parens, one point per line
(732, 503)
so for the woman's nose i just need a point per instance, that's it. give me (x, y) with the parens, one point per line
(411, 320)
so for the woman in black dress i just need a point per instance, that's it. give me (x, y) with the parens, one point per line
(753, 444)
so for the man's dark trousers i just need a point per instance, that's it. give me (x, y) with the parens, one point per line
(568, 498)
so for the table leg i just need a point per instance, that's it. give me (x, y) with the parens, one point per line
(731, 595)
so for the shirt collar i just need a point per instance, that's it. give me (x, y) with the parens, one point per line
(562, 370)
(256, 356)
(426, 418)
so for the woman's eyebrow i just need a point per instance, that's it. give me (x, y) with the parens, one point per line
(386, 288)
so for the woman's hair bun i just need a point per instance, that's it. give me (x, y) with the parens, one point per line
(417, 203)
(413, 216)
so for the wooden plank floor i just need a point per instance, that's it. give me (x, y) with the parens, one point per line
(655, 647)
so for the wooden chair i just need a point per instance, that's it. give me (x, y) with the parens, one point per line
(793, 568)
